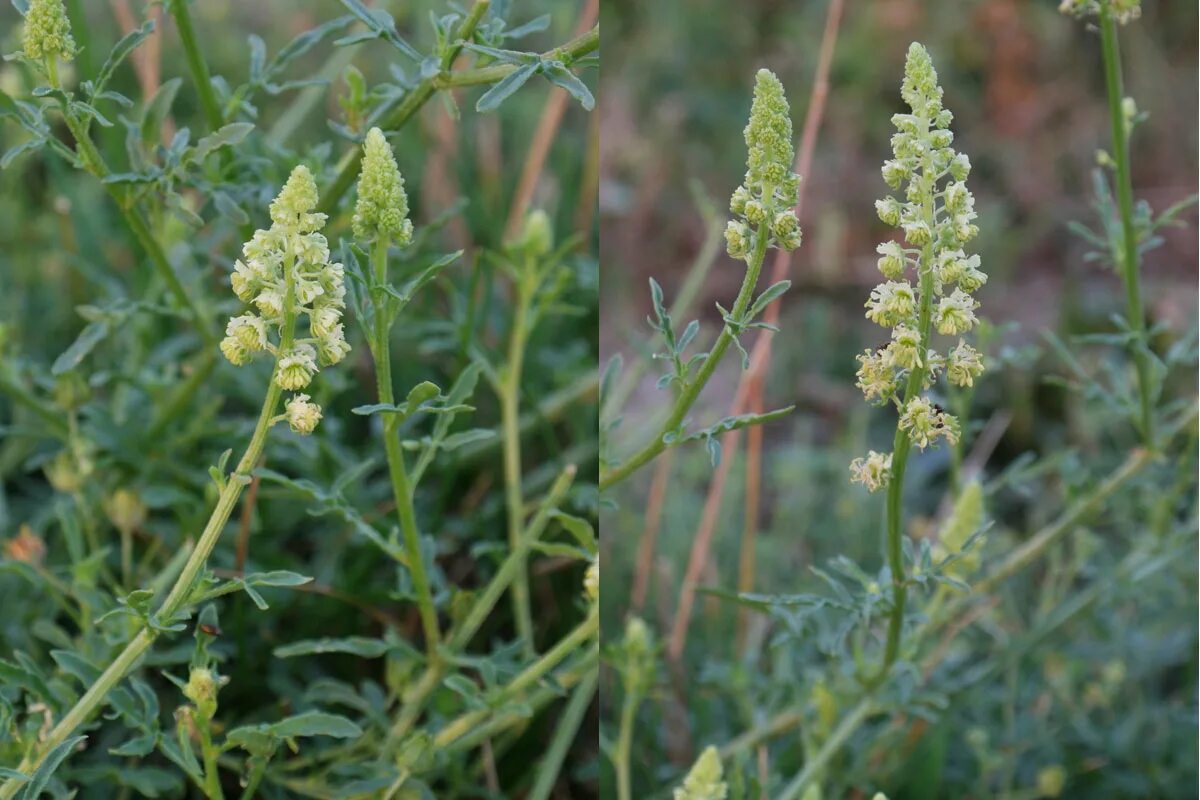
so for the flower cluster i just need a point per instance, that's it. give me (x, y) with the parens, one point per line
(47, 32)
(1122, 10)
(382, 208)
(704, 780)
(286, 273)
(936, 214)
(765, 201)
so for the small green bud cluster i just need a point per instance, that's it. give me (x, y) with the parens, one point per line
(704, 780)
(765, 201)
(201, 688)
(637, 657)
(1123, 11)
(286, 272)
(382, 208)
(47, 32)
(936, 213)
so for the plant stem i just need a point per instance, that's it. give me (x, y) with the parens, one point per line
(257, 771)
(1130, 266)
(567, 646)
(11, 385)
(212, 776)
(510, 404)
(414, 100)
(687, 397)
(564, 735)
(511, 565)
(401, 487)
(116, 671)
(829, 748)
(568, 52)
(415, 699)
(624, 745)
(901, 445)
(565, 679)
(93, 160)
(197, 64)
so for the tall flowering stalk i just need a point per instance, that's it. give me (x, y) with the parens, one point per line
(764, 211)
(937, 218)
(287, 275)
(381, 220)
(1128, 256)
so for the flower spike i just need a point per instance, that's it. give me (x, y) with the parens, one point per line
(382, 208)
(765, 201)
(285, 273)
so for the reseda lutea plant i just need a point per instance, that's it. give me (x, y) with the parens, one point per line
(286, 272)
(121, 428)
(765, 218)
(937, 217)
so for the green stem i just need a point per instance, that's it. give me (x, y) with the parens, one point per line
(212, 775)
(116, 671)
(564, 736)
(401, 486)
(416, 99)
(542, 696)
(196, 63)
(568, 52)
(624, 745)
(512, 564)
(510, 403)
(257, 770)
(567, 646)
(414, 700)
(901, 445)
(829, 748)
(1130, 266)
(687, 397)
(94, 162)
(20, 394)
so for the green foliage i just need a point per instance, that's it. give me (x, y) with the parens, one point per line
(146, 484)
(1048, 556)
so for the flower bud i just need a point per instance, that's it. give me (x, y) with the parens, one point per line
(891, 262)
(537, 237)
(737, 240)
(756, 212)
(786, 229)
(125, 510)
(296, 368)
(303, 416)
(888, 210)
(738, 201)
(236, 352)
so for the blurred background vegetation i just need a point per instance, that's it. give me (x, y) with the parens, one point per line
(63, 244)
(1106, 700)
